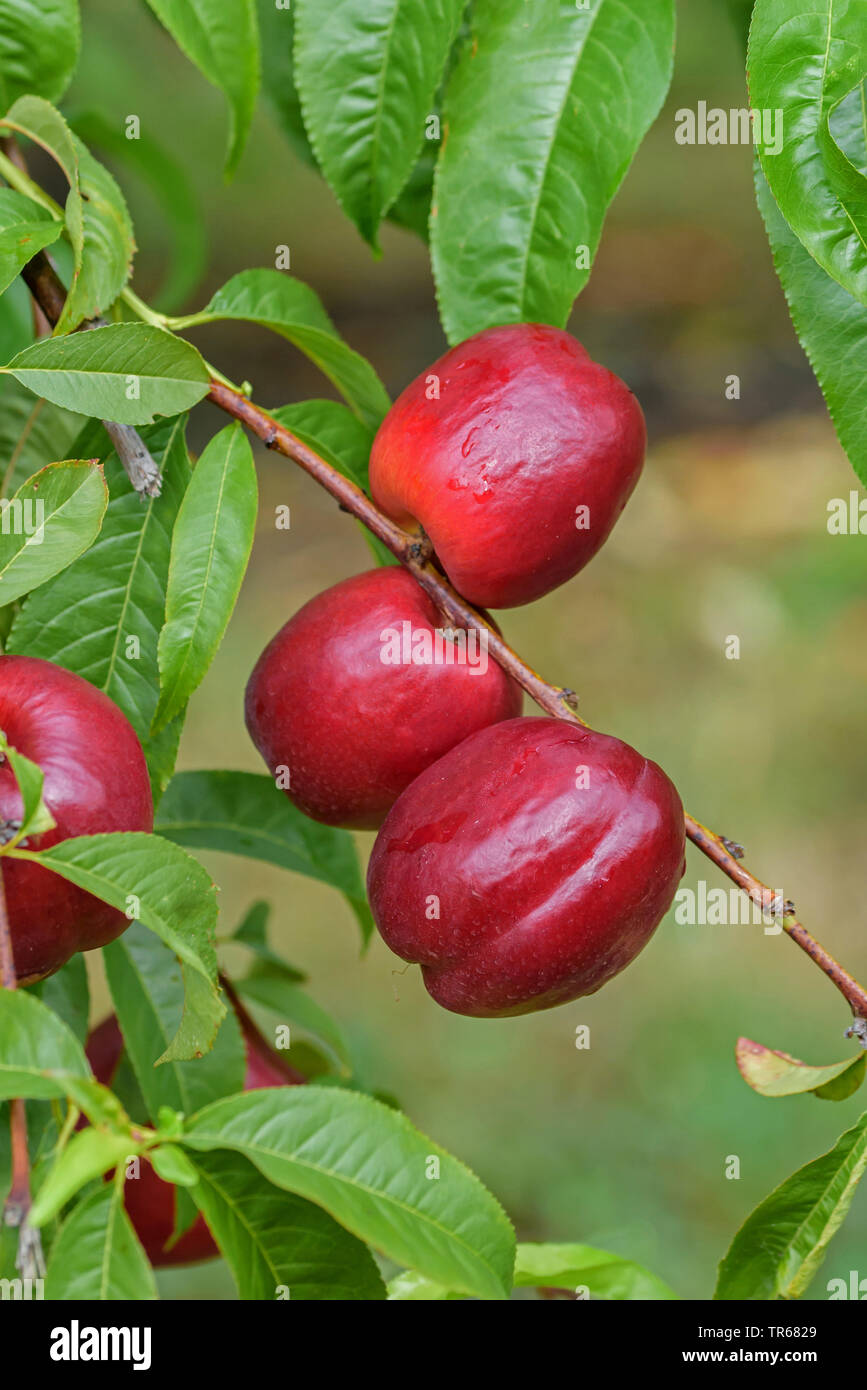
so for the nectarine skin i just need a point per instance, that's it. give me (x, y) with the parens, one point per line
(352, 730)
(527, 867)
(496, 447)
(96, 781)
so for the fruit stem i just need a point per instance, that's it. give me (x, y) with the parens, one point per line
(415, 552)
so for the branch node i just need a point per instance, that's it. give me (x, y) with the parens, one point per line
(420, 550)
(858, 1030)
(735, 850)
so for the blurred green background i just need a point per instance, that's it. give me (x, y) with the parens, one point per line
(624, 1145)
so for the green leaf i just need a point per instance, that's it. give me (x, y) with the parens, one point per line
(368, 73)
(334, 432)
(108, 244)
(277, 27)
(412, 209)
(343, 441)
(32, 433)
(222, 38)
(97, 219)
(42, 1059)
(244, 813)
(160, 885)
(804, 63)
(544, 112)
(67, 993)
(16, 332)
(88, 1155)
(570, 1267)
(35, 815)
(102, 617)
(38, 1052)
(773, 1073)
(172, 1165)
(54, 516)
(97, 1255)
(367, 1166)
(128, 372)
(292, 309)
(147, 991)
(273, 988)
(252, 932)
(781, 1245)
(37, 120)
(411, 1287)
(848, 126)
(581, 1266)
(170, 184)
(39, 44)
(831, 326)
(211, 545)
(25, 228)
(273, 1239)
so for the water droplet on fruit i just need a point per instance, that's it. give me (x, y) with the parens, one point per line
(469, 443)
(437, 832)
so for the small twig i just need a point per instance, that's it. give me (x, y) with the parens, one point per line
(141, 467)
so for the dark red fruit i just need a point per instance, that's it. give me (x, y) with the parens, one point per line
(496, 447)
(352, 730)
(96, 780)
(150, 1202)
(527, 867)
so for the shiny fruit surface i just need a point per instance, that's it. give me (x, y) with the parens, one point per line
(360, 692)
(516, 453)
(96, 781)
(527, 867)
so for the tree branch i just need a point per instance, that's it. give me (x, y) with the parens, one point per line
(414, 551)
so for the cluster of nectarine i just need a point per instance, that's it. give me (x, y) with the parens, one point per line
(521, 862)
